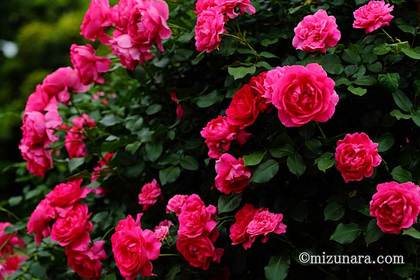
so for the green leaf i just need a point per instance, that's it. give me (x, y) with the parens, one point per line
(15, 200)
(411, 53)
(277, 268)
(325, 161)
(169, 175)
(265, 171)
(189, 163)
(332, 64)
(133, 147)
(350, 55)
(385, 142)
(268, 55)
(365, 81)
(400, 115)
(75, 163)
(254, 158)
(357, 90)
(228, 203)
(382, 49)
(416, 117)
(401, 175)
(412, 232)
(333, 211)
(208, 100)
(110, 120)
(346, 233)
(241, 71)
(281, 152)
(296, 164)
(373, 233)
(153, 150)
(153, 109)
(390, 81)
(402, 101)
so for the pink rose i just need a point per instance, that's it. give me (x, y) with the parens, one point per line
(33, 128)
(257, 84)
(238, 230)
(38, 159)
(72, 227)
(230, 7)
(162, 230)
(9, 241)
(83, 121)
(271, 82)
(149, 194)
(304, 94)
(232, 175)
(202, 5)
(134, 248)
(244, 108)
(10, 264)
(53, 120)
(218, 134)
(195, 218)
(175, 203)
(87, 263)
(96, 20)
(60, 83)
(88, 65)
(396, 206)
(356, 157)
(66, 194)
(209, 29)
(316, 32)
(37, 101)
(264, 223)
(40, 220)
(75, 144)
(199, 251)
(373, 15)
(124, 47)
(101, 167)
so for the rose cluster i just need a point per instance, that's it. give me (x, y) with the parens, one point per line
(10, 259)
(61, 216)
(212, 15)
(197, 230)
(137, 25)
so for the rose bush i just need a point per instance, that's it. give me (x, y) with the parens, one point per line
(218, 140)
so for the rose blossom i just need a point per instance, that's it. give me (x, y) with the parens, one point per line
(129, 54)
(316, 32)
(66, 194)
(373, 15)
(40, 220)
(209, 29)
(72, 227)
(218, 135)
(202, 5)
(265, 222)
(356, 157)
(162, 230)
(149, 194)
(87, 263)
(10, 264)
(9, 241)
(244, 107)
(134, 248)
(175, 203)
(195, 218)
(199, 251)
(257, 84)
(232, 175)
(270, 82)
(75, 144)
(396, 206)
(88, 65)
(238, 230)
(96, 19)
(304, 94)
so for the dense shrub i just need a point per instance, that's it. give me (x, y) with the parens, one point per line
(270, 142)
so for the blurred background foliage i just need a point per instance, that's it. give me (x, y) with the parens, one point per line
(35, 37)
